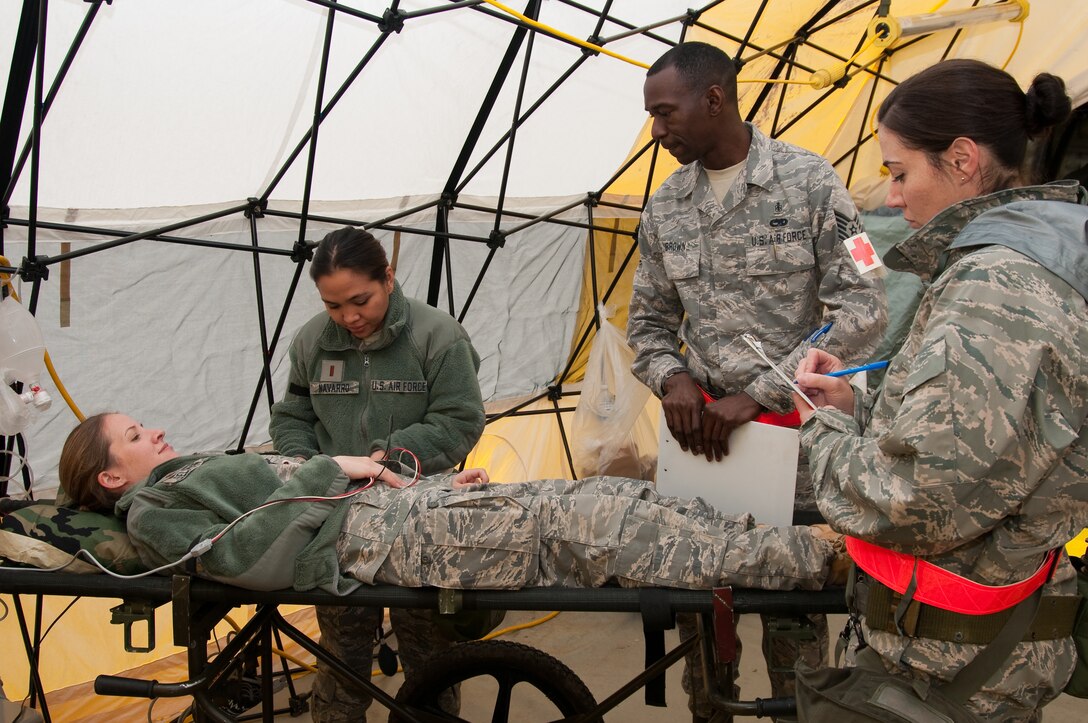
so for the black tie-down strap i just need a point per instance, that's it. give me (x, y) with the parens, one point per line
(657, 617)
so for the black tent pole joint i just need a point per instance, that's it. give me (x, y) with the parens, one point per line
(392, 21)
(593, 198)
(302, 251)
(496, 239)
(36, 270)
(691, 17)
(555, 392)
(256, 209)
(448, 199)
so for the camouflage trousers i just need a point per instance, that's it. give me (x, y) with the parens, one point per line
(349, 634)
(581, 533)
(780, 651)
(1033, 675)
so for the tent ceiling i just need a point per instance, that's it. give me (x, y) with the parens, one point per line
(180, 103)
(176, 109)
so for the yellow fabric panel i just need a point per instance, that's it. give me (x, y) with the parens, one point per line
(610, 250)
(1078, 546)
(68, 670)
(519, 449)
(100, 650)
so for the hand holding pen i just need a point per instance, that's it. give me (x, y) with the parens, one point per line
(815, 379)
(863, 368)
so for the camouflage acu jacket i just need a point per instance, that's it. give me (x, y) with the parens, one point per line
(768, 261)
(975, 454)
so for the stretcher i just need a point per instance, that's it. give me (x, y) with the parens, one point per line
(199, 604)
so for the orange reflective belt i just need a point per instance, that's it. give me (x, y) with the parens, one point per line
(789, 419)
(941, 588)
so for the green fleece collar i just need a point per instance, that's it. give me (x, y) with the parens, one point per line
(336, 338)
(125, 502)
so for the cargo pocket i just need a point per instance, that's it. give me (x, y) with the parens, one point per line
(363, 543)
(478, 542)
(669, 556)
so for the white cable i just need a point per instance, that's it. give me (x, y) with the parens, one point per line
(204, 545)
(83, 553)
(10, 477)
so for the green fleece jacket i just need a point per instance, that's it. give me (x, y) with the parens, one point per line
(413, 386)
(291, 544)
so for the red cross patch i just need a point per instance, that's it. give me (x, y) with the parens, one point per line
(862, 252)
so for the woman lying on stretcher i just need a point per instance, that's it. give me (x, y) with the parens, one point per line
(271, 522)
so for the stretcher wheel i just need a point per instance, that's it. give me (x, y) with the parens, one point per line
(510, 665)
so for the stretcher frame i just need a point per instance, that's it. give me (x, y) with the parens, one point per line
(198, 605)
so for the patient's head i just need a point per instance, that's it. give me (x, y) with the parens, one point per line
(105, 455)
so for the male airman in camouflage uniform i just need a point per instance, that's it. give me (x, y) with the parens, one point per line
(746, 237)
(974, 455)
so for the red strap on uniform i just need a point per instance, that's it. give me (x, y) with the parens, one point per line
(938, 587)
(707, 399)
(789, 419)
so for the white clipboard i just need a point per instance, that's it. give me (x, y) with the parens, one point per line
(759, 475)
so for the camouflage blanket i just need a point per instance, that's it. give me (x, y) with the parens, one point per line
(45, 535)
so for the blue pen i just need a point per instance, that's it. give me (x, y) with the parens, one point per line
(820, 332)
(855, 370)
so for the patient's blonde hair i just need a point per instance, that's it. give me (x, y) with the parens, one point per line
(85, 454)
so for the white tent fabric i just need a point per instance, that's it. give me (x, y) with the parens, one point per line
(177, 109)
(184, 103)
(172, 110)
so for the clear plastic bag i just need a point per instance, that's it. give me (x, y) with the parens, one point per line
(613, 431)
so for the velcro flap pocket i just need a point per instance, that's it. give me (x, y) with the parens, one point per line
(682, 262)
(363, 544)
(487, 543)
(785, 258)
(652, 553)
(927, 366)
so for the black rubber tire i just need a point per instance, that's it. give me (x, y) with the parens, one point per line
(509, 664)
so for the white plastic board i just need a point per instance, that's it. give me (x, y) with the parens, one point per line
(758, 475)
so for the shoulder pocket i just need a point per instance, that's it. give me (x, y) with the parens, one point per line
(930, 364)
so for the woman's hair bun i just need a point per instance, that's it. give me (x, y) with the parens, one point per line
(1047, 103)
